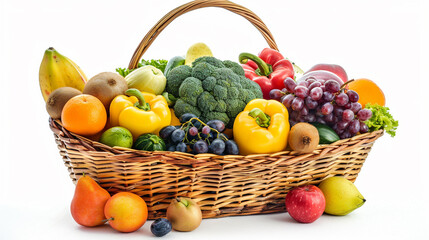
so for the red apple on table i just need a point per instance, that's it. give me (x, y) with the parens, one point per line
(305, 204)
(333, 68)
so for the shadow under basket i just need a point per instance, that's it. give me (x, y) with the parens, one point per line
(221, 185)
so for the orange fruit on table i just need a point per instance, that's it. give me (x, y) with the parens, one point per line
(126, 212)
(368, 92)
(84, 115)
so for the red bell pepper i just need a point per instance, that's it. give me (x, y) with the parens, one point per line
(269, 70)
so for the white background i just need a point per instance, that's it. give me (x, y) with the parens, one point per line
(386, 41)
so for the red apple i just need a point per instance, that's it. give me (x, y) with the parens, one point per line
(336, 69)
(305, 204)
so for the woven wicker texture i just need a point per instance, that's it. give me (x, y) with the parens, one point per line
(222, 185)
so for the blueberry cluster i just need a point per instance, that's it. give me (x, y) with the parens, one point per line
(195, 136)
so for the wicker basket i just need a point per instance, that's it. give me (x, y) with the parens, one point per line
(222, 185)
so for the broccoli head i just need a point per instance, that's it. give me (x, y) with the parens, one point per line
(190, 89)
(235, 67)
(211, 89)
(176, 76)
(181, 107)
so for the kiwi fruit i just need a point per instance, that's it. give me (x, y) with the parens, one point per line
(303, 137)
(105, 86)
(58, 98)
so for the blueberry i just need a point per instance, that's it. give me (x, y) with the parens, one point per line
(186, 117)
(231, 147)
(200, 147)
(217, 124)
(165, 132)
(171, 148)
(177, 135)
(217, 146)
(196, 124)
(181, 147)
(160, 227)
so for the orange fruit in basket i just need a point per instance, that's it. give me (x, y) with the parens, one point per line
(368, 92)
(84, 115)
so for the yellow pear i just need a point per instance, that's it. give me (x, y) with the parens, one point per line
(195, 51)
(341, 195)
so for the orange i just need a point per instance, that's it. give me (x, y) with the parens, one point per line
(84, 115)
(368, 92)
(126, 212)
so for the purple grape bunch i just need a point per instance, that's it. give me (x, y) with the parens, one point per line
(323, 101)
(195, 136)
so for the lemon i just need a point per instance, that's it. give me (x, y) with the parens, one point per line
(117, 136)
(195, 51)
(341, 196)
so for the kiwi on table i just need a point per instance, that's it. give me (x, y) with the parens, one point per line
(303, 137)
(105, 86)
(58, 98)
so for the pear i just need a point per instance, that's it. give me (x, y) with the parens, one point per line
(195, 51)
(341, 195)
(87, 206)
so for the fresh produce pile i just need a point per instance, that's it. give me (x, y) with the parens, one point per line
(200, 104)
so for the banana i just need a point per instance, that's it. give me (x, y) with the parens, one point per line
(57, 71)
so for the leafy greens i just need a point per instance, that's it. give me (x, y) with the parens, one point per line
(160, 64)
(381, 119)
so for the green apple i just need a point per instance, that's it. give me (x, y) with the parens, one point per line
(184, 214)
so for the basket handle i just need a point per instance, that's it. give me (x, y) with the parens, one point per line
(173, 14)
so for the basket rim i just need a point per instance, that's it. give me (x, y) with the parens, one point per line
(321, 150)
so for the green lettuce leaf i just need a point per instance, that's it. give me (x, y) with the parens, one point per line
(381, 119)
(160, 64)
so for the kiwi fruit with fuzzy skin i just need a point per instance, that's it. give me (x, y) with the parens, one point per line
(58, 98)
(303, 137)
(105, 86)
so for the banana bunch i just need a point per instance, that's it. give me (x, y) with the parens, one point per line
(57, 71)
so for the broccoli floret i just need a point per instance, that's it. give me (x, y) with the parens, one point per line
(207, 116)
(220, 106)
(244, 95)
(235, 67)
(235, 106)
(209, 83)
(203, 70)
(220, 92)
(175, 78)
(210, 60)
(247, 95)
(211, 89)
(190, 89)
(232, 93)
(251, 86)
(181, 107)
(226, 76)
(206, 102)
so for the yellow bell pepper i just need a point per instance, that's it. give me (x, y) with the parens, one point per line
(140, 112)
(262, 127)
